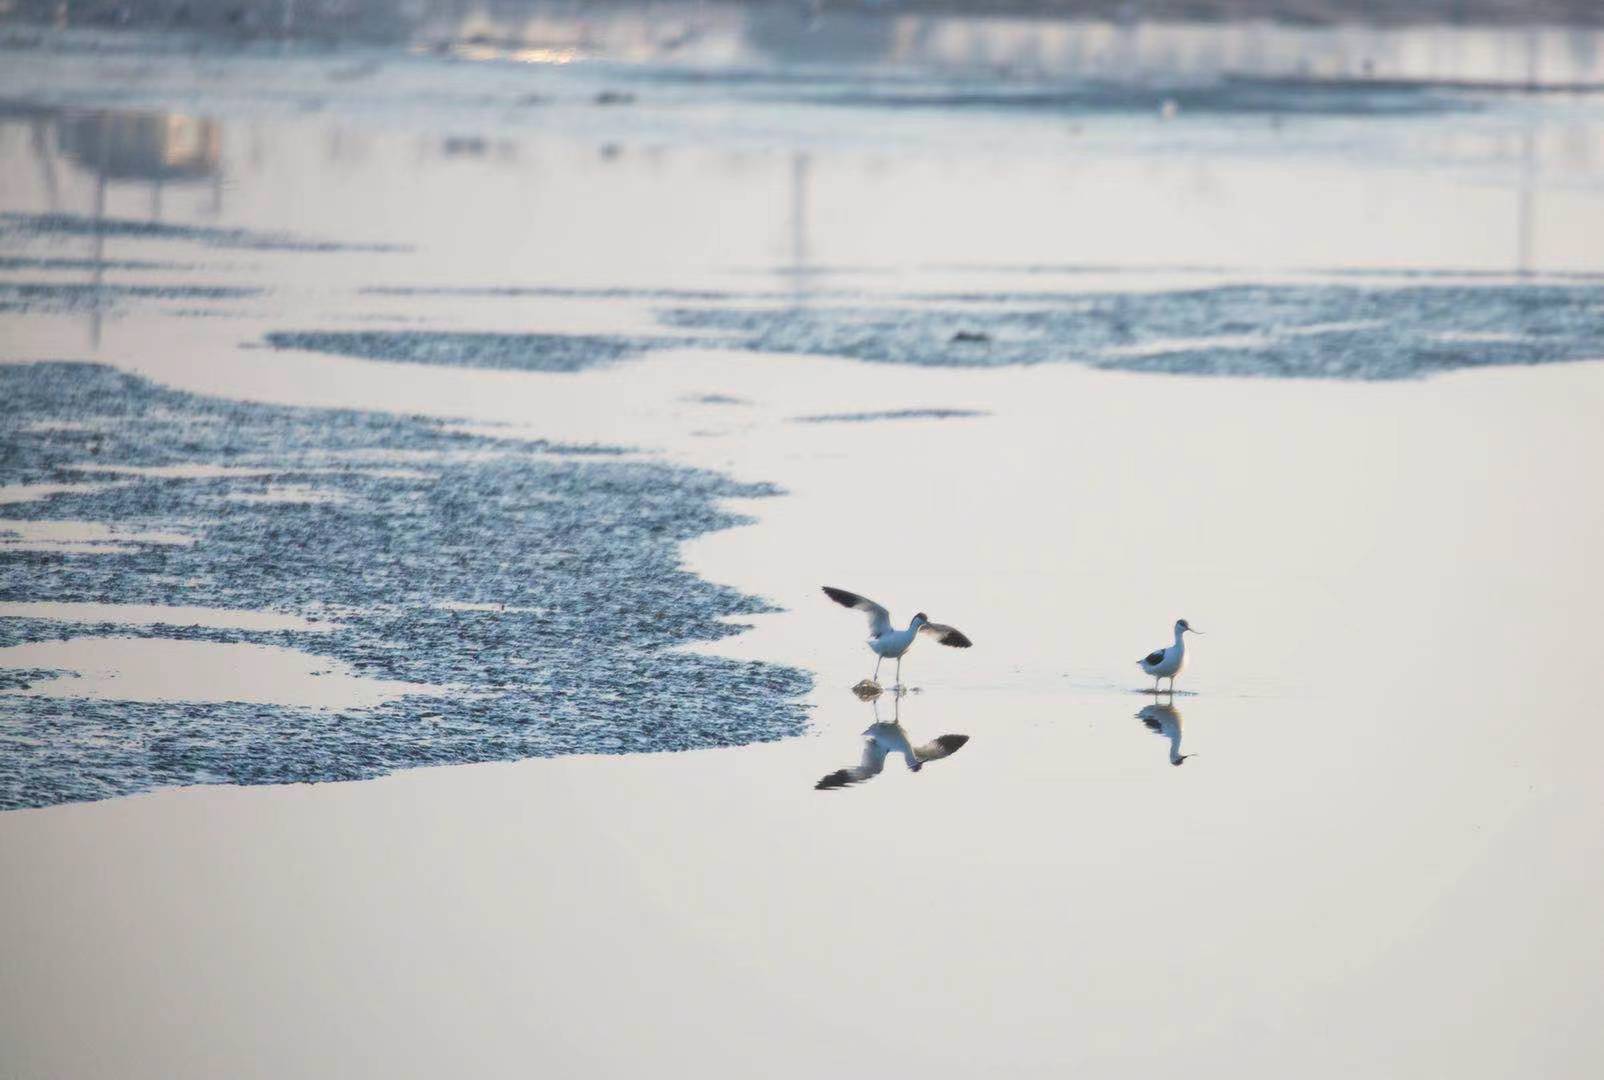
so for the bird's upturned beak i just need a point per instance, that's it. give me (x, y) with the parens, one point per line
(1192, 631)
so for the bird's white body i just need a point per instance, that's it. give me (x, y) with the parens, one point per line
(891, 644)
(1172, 660)
(1166, 663)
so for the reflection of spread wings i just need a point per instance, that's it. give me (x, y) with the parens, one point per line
(1154, 657)
(874, 759)
(940, 747)
(946, 635)
(879, 617)
(882, 740)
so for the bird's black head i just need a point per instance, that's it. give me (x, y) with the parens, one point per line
(922, 617)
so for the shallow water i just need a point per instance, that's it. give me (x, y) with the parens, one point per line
(1381, 854)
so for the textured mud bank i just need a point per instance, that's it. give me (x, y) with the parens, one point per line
(35, 298)
(1294, 331)
(535, 590)
(65, 226)
(517, 352)
(1332, 331)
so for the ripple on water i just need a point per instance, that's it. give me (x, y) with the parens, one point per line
(890, 414)
(581, 547)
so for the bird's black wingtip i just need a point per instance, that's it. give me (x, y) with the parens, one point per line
(840, 596)
(956, 639)
(951, 743)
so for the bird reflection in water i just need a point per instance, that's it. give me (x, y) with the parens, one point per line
(883, 738)
(1165, 720)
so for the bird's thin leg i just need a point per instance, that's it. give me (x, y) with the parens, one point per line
(1155, 683)
(1172, 684)
(899, 671)
(876, 676)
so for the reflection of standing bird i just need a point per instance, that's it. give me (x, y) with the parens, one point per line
(1165, 720)
(881, 739)
(889, 642)
(1167, 663)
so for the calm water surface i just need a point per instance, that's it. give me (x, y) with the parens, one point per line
(1308, 358)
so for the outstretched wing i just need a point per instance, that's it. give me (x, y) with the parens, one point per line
(874, 759)
(940, 747)
(946, 635)
(1154, 657)
(879, 617)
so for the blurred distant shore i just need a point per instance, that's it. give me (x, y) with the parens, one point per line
(381, 19)
(1298, 12)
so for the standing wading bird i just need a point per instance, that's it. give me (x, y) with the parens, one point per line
(1167, 663)
(886, 641)
(881, 739)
